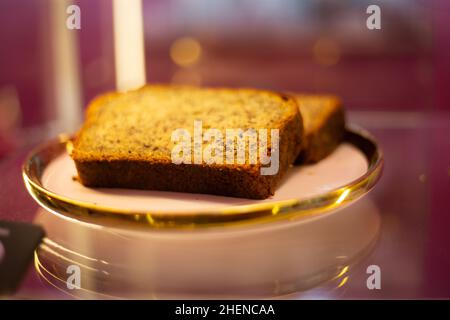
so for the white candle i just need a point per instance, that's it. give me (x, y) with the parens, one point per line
(129, 44)
(66, 80)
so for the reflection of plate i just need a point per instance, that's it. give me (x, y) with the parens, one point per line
(344, 176)
(263, 260)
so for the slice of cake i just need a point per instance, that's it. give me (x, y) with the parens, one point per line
(324, 126)
(217, 141)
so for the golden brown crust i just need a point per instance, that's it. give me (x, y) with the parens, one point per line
(229, 180)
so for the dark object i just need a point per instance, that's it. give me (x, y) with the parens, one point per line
(17, 244)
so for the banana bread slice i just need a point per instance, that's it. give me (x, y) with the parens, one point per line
(324, 126)
(126, 140)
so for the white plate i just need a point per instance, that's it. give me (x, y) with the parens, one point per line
(343, 166)
(313, 230)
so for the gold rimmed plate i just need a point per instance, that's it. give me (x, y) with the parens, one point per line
(343, 177)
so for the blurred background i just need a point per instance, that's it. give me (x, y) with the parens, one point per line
(394, 81)
(300, 45)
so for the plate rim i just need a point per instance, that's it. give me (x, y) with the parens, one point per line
(291, 209)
